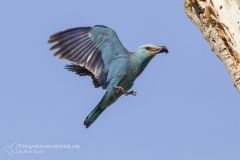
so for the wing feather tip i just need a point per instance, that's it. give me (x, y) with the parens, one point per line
(82, 71)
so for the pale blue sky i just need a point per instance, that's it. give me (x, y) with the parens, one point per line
(186, 108)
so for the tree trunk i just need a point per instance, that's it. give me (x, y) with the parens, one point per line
(219, 21)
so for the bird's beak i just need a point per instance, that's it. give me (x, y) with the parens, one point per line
(162, 49)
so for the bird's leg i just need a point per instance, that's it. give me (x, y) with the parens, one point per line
(132, 92)
(120, 89)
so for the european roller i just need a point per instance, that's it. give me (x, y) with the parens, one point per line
(97, 52)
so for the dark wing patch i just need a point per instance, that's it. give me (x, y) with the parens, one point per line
(77, 46)
(81, 71)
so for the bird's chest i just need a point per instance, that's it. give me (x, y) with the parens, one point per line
(133, 70)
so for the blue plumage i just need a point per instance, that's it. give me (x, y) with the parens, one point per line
(97, 52)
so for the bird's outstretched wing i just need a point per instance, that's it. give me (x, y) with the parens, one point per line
(91, 48)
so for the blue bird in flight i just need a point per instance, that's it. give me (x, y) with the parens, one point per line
(97, 52)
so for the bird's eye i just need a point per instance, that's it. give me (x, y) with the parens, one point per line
(147, 48)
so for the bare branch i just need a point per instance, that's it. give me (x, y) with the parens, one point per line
(219, 21)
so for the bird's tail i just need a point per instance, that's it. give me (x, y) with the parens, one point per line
(93, 115)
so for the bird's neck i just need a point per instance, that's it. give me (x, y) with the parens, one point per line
(142, 58)
(139, 61)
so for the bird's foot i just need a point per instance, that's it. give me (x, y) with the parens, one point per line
(132, 92)
(120, 89)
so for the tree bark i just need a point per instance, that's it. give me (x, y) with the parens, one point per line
(219, 21)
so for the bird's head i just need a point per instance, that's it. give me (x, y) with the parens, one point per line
(153, 49)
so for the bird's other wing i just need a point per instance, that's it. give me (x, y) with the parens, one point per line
(92, 48)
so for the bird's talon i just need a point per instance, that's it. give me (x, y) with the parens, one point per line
(131, 93)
